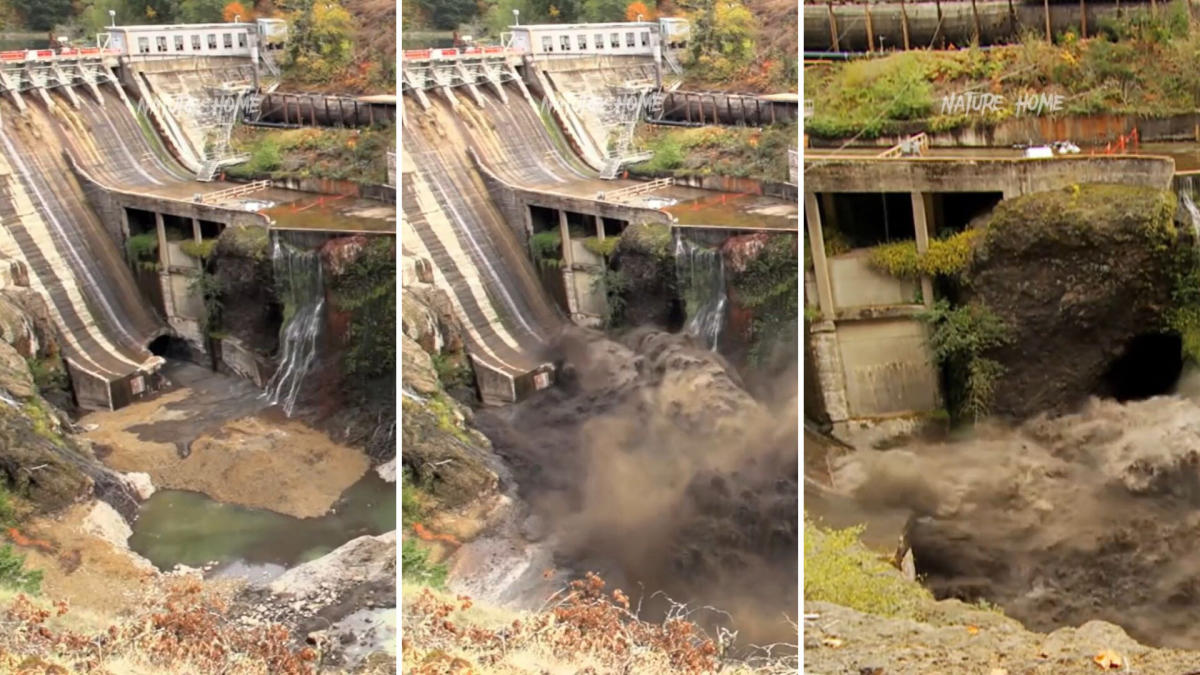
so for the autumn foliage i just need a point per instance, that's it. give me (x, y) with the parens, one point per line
(182, 628)
(587, 625)
(234, 10)
(636, 8)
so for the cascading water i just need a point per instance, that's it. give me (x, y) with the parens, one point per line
(1184, 185)
(298, 278)
(700, 271)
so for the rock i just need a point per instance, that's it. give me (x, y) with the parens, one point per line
(17, 329)
(417, 371)
(15, 377)
(387, 470)
(428, 317)
(458, 466)
(364, 560)
(340, 253)
(140, 483)
(104, 522)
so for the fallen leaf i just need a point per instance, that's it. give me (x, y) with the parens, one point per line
(833, 642)
(1108, 659)
(973, 629)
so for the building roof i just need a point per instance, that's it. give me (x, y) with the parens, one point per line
(534, 27)
(150, 28)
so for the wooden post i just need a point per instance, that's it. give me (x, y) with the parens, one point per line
(870, 28)
(1083, 18)
(904, 23)
(1046, 10)
(975, 14)
(1012, 20)
(833, 31)
(1154, 7)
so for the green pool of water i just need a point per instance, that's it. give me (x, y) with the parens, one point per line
(177, 527)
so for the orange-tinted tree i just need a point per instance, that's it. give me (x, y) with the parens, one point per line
(236, 9)
(637, 8)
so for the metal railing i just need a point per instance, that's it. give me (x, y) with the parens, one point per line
(634, 190)
(234, 192)
(915, 145)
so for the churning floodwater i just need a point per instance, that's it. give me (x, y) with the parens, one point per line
(301, 285)
(700, 271)
(177, 527)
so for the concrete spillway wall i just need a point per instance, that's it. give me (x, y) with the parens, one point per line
(73, 262)
(1000, 22)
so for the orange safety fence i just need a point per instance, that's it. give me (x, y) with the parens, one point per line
(425, 535)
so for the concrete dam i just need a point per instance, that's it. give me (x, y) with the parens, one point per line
(492, 157)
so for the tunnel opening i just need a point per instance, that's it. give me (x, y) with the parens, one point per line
(856, 220)
(170, 347)
(1150, 365)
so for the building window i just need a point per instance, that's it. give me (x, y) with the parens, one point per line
(144, 45)
(178, 43)
(212, 40)
(629, 40)
(565, 42)
(242, 40)
(583, 42)
(196, 43)
(616, 40)
(645, 38)
(547, 43)
(228, 41)
(598, 40)
(160, 43)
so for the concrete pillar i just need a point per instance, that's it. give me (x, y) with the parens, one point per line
(564, 233)
(831, 215)
(197, 233)
(921, 225)
(830, 370)
(528, 219)
(163, 259)
(600, 228)
(816, 244)
(124, 222)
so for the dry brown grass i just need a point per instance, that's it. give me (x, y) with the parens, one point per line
(583, 629)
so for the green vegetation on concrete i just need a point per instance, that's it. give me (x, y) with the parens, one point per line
(546, 249)
(1147, 73)
(210, 288)
(414, 559)
(653, 239)
(48, 372)
(200, 250)
(367, 290)
(602, 247)
(840, 570)
(142, 250)
(358, 155)
(959, 338)
(770, 288)
(946, 257)
(719, 151)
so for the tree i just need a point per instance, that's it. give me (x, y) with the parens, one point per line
(319, 44)
(638, 9)
(43, 14)
(722, 36)
(603, 10)
(234, 10)
(448, 14)
(200, 11)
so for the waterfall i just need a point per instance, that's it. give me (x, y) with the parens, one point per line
(1184, 185)
(700, 271)
(298, 280)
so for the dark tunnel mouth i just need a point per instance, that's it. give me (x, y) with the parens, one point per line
(169, 347)
(1149, 366)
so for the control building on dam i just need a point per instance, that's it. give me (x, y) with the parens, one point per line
(506, 143)
(96, 147)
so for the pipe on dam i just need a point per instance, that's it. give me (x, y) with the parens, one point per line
(304, 110)
(939, 24)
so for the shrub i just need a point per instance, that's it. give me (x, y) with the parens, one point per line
(945, 257)
(13, 573)
(142, 250)
(414, 560)
(546, 248)
(200, 250)
(840, 570)
(602, 247)
(959, 338)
